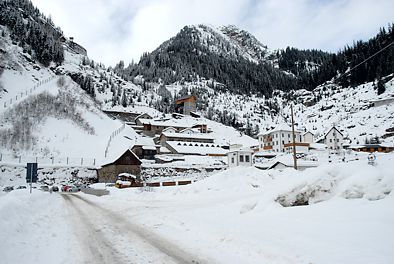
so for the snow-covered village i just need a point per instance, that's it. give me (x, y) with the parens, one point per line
(202, 143)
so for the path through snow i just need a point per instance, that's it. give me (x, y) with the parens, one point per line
(104, 236)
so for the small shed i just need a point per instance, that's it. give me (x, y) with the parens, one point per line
(128, 162)
(240, 157)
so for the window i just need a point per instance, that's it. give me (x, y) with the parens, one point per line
(337, 139)
(247, 158)
(283, 135)
(283, 142)
(330, 140)
(288, 135)
(241, 158)
(232, 160)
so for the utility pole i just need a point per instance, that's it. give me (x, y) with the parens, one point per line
(294, 143)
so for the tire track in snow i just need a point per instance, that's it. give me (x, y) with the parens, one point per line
(147, 246)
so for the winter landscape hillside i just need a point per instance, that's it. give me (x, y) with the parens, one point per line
(191, 154)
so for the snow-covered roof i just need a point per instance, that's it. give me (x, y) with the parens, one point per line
(164, 150)
(289, 162)
(169, 128)
(278, 128)
(318, 146)
(115, 156)
(144, 141)
(328, 131)
(192, 130)
(308, 132)
(196, 148)
(171, 122)
(185, 135)
(141, 115)
(248, 150)
(149, 147)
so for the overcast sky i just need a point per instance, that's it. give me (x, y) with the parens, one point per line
(114, 30)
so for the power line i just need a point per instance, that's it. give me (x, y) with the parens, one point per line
(367, 59)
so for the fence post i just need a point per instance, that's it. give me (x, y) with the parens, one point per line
(1, 156)
(36, 160)
(20, 157)
(67, 160)
(81, 161)
(94, 162)
(53, 159)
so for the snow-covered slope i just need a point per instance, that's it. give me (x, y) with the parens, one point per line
(44, 115)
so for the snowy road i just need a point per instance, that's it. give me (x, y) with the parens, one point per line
(104, 236)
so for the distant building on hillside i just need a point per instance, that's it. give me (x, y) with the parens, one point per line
(186, 104)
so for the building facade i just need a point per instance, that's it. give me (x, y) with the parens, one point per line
(276, 139)
(333, 139)
(186, 104)
(128, 162)
(239, 158)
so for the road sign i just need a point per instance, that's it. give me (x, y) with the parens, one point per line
(31, 175)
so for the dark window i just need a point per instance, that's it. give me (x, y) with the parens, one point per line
(247, 158)
(241, 158)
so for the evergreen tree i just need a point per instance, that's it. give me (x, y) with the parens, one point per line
(381, 87)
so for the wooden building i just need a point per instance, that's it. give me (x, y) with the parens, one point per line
(373, 148)
(186, 104)
(128, 162)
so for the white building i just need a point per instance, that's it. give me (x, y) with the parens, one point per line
(307, 137)
(276, 139)
(333, 139)
(240, 157)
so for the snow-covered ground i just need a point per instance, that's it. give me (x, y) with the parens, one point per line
(240, 215)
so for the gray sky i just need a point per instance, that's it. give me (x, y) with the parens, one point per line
(113, 30)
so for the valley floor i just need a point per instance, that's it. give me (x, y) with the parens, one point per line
(231, 217)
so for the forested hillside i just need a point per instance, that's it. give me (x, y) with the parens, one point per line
(200, 51)
(188, 55)
(32, 31)
(313, 67)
